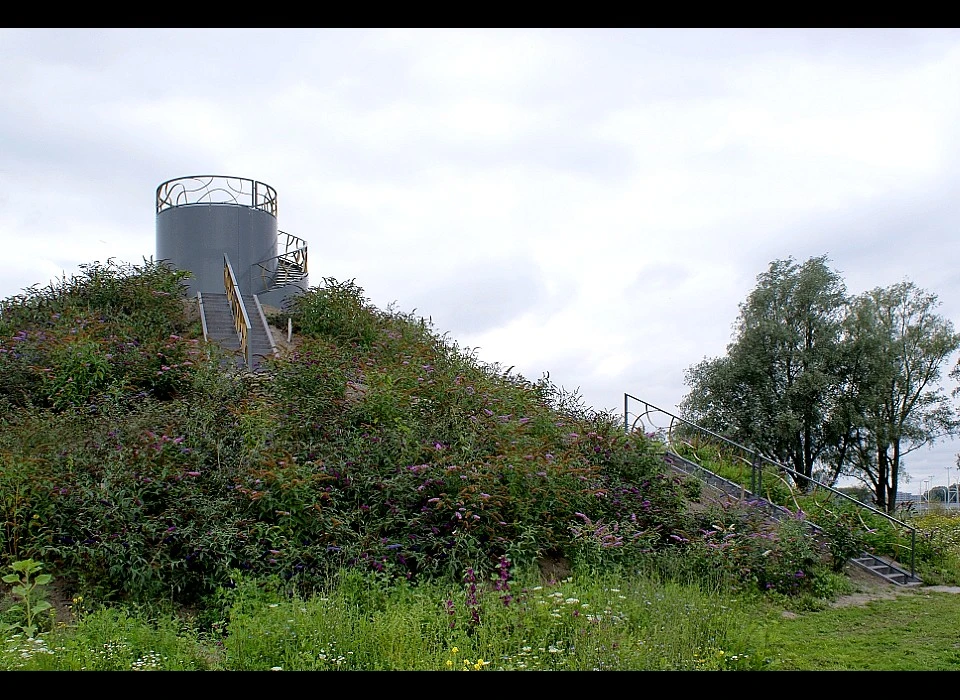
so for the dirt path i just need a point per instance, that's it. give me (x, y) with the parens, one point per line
(870, 588)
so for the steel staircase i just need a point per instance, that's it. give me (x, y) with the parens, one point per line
(651, 420)
(886, 569)
(236, 322)
(220, 328)
(217, 320)
(290, 267)
(288, 271)
(883, 568)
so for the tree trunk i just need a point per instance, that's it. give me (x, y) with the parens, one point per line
(881, 491)
(894, 478)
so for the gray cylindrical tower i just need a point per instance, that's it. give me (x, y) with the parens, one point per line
(201, 218)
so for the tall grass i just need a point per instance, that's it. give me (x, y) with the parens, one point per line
(578, 623)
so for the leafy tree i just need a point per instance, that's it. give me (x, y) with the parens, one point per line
(828, 384)
(777, 389)
(903, 346)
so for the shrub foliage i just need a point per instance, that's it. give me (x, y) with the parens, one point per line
(135, 465)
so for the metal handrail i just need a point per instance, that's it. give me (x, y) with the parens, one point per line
(266, 326)
(203, 318)
(297, 258)
(291, 241)
(216, 189)
(240, 318)
(756, 462)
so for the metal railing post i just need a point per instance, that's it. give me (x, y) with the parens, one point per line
(913, 549)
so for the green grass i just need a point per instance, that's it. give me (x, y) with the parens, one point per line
(605, 623)
(611, 622)
(914, 632)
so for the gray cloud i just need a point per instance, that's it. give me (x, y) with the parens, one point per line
(475, 296)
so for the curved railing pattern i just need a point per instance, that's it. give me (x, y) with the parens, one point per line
(216, 189)
(291, 264)
(240, 318)
(674, 431)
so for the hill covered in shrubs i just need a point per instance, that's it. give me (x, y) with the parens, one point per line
(135, 465)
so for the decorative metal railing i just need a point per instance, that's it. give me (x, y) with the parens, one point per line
(216, 189)
(681, 436)
(240, 318)
(291, 264)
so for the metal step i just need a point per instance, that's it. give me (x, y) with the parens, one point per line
(287, 271)
(886, 570)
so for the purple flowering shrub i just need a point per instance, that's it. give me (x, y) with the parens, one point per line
(425, 462)
(113, 332)
(336, 310)
(740, 545)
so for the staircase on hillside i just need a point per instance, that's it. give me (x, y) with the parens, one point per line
(220, 327)
(236, 322)
(217, 320)
(881, 567)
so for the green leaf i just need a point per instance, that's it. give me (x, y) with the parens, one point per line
(43, 579)
(41, 606)
(11, 578)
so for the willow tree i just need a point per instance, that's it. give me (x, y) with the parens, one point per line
(902, 345)
(830, 384)
(778, 389)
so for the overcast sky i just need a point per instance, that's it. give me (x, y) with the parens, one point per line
(590, 203)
